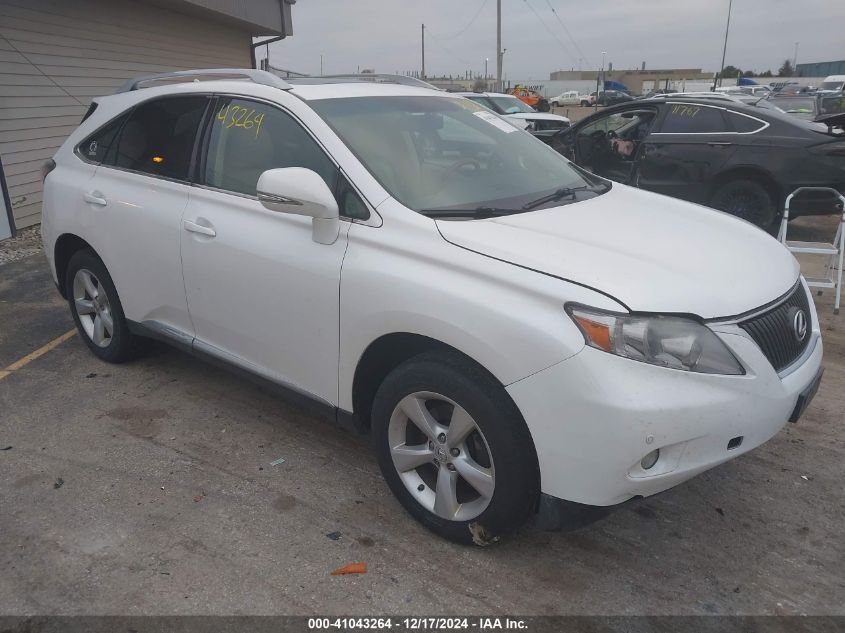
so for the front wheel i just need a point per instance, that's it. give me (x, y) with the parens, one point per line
(748, 200)
(543, 106)
(585, 104)
(454, 449)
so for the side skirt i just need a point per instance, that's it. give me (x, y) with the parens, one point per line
(185, 343)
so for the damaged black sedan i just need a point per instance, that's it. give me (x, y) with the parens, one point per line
(737, 157)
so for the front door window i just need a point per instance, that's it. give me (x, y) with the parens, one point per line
(609, 146)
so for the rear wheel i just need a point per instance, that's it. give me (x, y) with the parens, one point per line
(543, 106)
(746, 199)
(585, 104)
(96, 309)
(454, 449)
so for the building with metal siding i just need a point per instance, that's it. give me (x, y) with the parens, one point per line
(56, 55)
(821, 69)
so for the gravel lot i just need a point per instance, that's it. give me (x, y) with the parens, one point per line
(147, 488)
(25, 244)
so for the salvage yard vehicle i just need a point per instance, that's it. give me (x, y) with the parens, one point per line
(802, 106)
(612, 97)
(532, 98)
(571, 98)
(833, 83)
(719, 151)
(519, 336)
(514, 109)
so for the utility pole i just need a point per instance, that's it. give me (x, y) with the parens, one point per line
(423, 52)
(795, 60)
(499, 53)
(600, 87)
(725, 49)
(321, 65)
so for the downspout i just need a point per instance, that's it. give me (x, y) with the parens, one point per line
(254, 46)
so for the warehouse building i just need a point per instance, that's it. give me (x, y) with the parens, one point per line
(56, 55)
(634, 79)
(821, 69)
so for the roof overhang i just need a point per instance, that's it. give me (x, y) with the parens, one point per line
(257, 17)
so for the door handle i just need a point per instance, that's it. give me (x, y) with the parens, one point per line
(96, 198)
(715, 144)
(193, 227)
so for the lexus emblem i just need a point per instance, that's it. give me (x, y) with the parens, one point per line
(799, 324)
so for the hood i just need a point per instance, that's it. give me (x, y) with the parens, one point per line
(536, 116)
(651, 252)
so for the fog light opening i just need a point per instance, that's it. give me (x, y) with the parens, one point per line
(735, 443)
(650, 460)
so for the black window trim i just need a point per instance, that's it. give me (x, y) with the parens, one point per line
(715, 107)
(128, 113)
(374, 218)
(78, 148)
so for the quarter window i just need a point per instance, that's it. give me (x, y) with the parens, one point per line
(158, 138)
(744, 124)
(95, 147)
(689, 118)
(248, 138)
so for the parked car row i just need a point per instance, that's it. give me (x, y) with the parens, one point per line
(742, 158)
(602, 98)
(515, 109)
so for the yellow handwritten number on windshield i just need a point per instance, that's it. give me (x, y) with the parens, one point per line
(231, 115)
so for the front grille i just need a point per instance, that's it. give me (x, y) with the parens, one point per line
(774, 330)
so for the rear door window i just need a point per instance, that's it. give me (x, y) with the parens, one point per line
(690, 118)
(158, 138)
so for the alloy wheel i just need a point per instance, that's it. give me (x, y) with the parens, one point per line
(441, 456)
(93, 307)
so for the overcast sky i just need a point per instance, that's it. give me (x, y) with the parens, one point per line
(385, 34)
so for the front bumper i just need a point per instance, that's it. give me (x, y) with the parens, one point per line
(594, 416)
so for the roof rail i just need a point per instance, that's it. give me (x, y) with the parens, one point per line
(258, 76)
(363, 78)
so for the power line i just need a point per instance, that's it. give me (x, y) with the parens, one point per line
(568, 34)
(546, 26)
(440, 43)
(470, 23)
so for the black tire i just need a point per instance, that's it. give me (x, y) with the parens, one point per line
(543, 106)
(585, 104)
(121, 345)
(746, 199)
(501, 427)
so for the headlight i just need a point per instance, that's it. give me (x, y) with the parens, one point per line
(666, 341)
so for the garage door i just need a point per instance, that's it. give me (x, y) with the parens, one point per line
(56, 55)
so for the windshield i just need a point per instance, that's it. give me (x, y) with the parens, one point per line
(510, 105)
(833, 85)
(446, 156)
(802, 107)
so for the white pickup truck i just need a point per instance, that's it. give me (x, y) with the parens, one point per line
(572, 98)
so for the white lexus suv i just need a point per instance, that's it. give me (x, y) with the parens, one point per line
(519, 336)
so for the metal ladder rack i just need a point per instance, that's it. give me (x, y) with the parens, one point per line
(834, 251)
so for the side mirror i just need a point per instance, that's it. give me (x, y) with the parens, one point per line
(302, 192)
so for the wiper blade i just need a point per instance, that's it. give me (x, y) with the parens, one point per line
(563, 192)
(477, 212)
